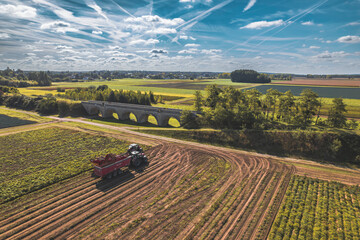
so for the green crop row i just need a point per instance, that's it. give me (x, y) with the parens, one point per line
(316, 209)
(35, 159)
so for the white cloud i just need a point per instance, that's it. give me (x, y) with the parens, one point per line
(192, 45)
(4, 36)
(158, 51)
(189, 51)
(98, 9)
(59, 27)
(161, 30)
(249, 5)
(144, 42)
(349, 39)
(328, 54)
(67, 50)
(97, 32)
(154, 19)
(310, 23)
(115, 47)
(353, 24)
(314, 47)
(62, 47)
(264, 24)
(119, 54)
(19, 11)
(117, 34)
(186, 1)
(210, 51)
(187, 37)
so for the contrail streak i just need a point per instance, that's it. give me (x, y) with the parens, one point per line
(288, 23)
(122, 9)
(220, 5)
(299, 16)
(249, 5)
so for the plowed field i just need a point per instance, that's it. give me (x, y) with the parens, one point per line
(185, 192)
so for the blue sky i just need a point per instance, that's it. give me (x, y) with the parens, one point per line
(286, 36)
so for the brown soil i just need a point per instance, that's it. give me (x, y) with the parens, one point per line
(173, 197)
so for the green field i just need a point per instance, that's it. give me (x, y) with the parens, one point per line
(35, 159)
(10, 118)
(327, 92)
(315, 209)
(186, 89)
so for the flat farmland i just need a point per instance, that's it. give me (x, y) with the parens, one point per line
(321, 82)
(171, 87)
(184, 193)
(35, 159)
(192, 86)
(327, 92)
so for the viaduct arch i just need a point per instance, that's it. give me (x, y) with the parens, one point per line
(123, 110)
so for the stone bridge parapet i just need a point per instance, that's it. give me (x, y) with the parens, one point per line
(123, 110)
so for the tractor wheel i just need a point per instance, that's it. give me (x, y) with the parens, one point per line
(136, 162)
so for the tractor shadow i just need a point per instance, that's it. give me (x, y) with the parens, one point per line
(106, 185)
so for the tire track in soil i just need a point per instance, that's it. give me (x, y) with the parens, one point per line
(72, 213)
(107, 185)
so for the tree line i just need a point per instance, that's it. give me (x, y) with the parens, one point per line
(230, 108)
(249, 76)
(44, 105)
(19, 78)
(104, 93)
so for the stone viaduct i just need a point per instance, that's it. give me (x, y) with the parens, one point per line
(123, 110)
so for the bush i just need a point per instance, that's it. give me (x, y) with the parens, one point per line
(47, 105)
(352, 124)
(59, 89)
(5, 89)
(77, 109)
(20, 101)
(63, 107)
(189, 120)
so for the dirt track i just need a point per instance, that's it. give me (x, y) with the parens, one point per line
(184, 193)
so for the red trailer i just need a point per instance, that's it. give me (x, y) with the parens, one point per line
(111, 165)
